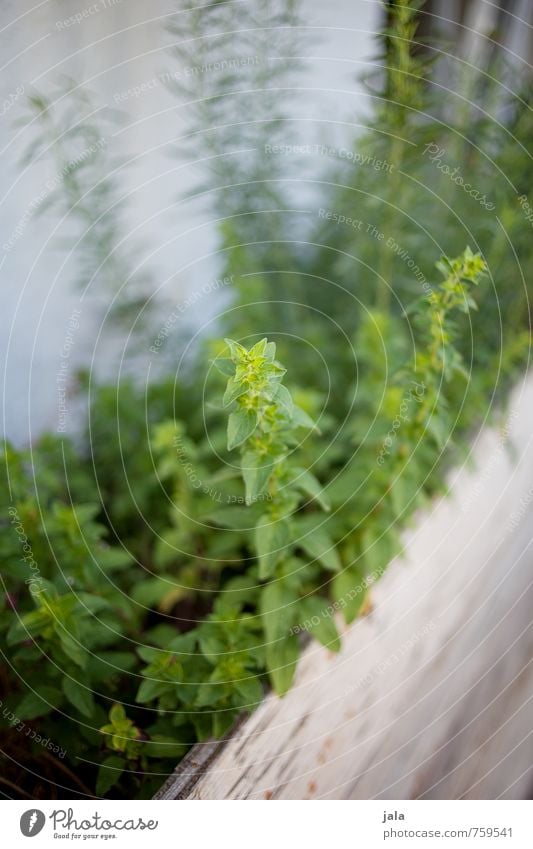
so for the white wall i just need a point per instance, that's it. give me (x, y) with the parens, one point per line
(114, 48)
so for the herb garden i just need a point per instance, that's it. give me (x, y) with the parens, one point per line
(163, 568)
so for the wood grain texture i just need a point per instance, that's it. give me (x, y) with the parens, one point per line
(431, 696)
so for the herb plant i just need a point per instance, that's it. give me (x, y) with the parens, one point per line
(300, 560)
(162, 571)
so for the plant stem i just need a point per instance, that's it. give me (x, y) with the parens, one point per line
(386, 257)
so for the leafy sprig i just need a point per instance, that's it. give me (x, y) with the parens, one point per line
(264, 423)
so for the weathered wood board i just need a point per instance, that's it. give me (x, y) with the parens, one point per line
(432, 694)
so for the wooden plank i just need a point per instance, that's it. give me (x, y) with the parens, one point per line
(195, 765)
(432, 693)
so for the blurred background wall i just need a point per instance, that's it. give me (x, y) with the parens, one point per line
(119, 51)
(120, 47)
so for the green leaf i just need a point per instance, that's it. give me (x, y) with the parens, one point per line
(113, 557)
(237, 351)
(283, 397)
(234, 390)
(149, 654)
(438, 429)
(278, 607)
(86, 512)
(278, 610)
(256, 472)
(150, 689)
(38, 704)
(163, 746)
(281, 662)
(29, 625)
(112, 662)
(241, 425)
(270, 351)
(210, 694)
(317, 543)
(235, 517)
(225, 366)
(222, 722)
(378, 549)
(203, 725)
(301, 419)
(307, 483)
(349, 591)
(70, 646)
(79, 696)
(117, 714)
(250, 689)
(271, 539)
(109, 774)
(318, 621)
(259, 348)
(151, 590)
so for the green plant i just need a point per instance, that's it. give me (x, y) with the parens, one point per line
(161, 570)
(302, 532)
(264, 423)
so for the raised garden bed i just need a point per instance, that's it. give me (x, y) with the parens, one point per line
(431, 694)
